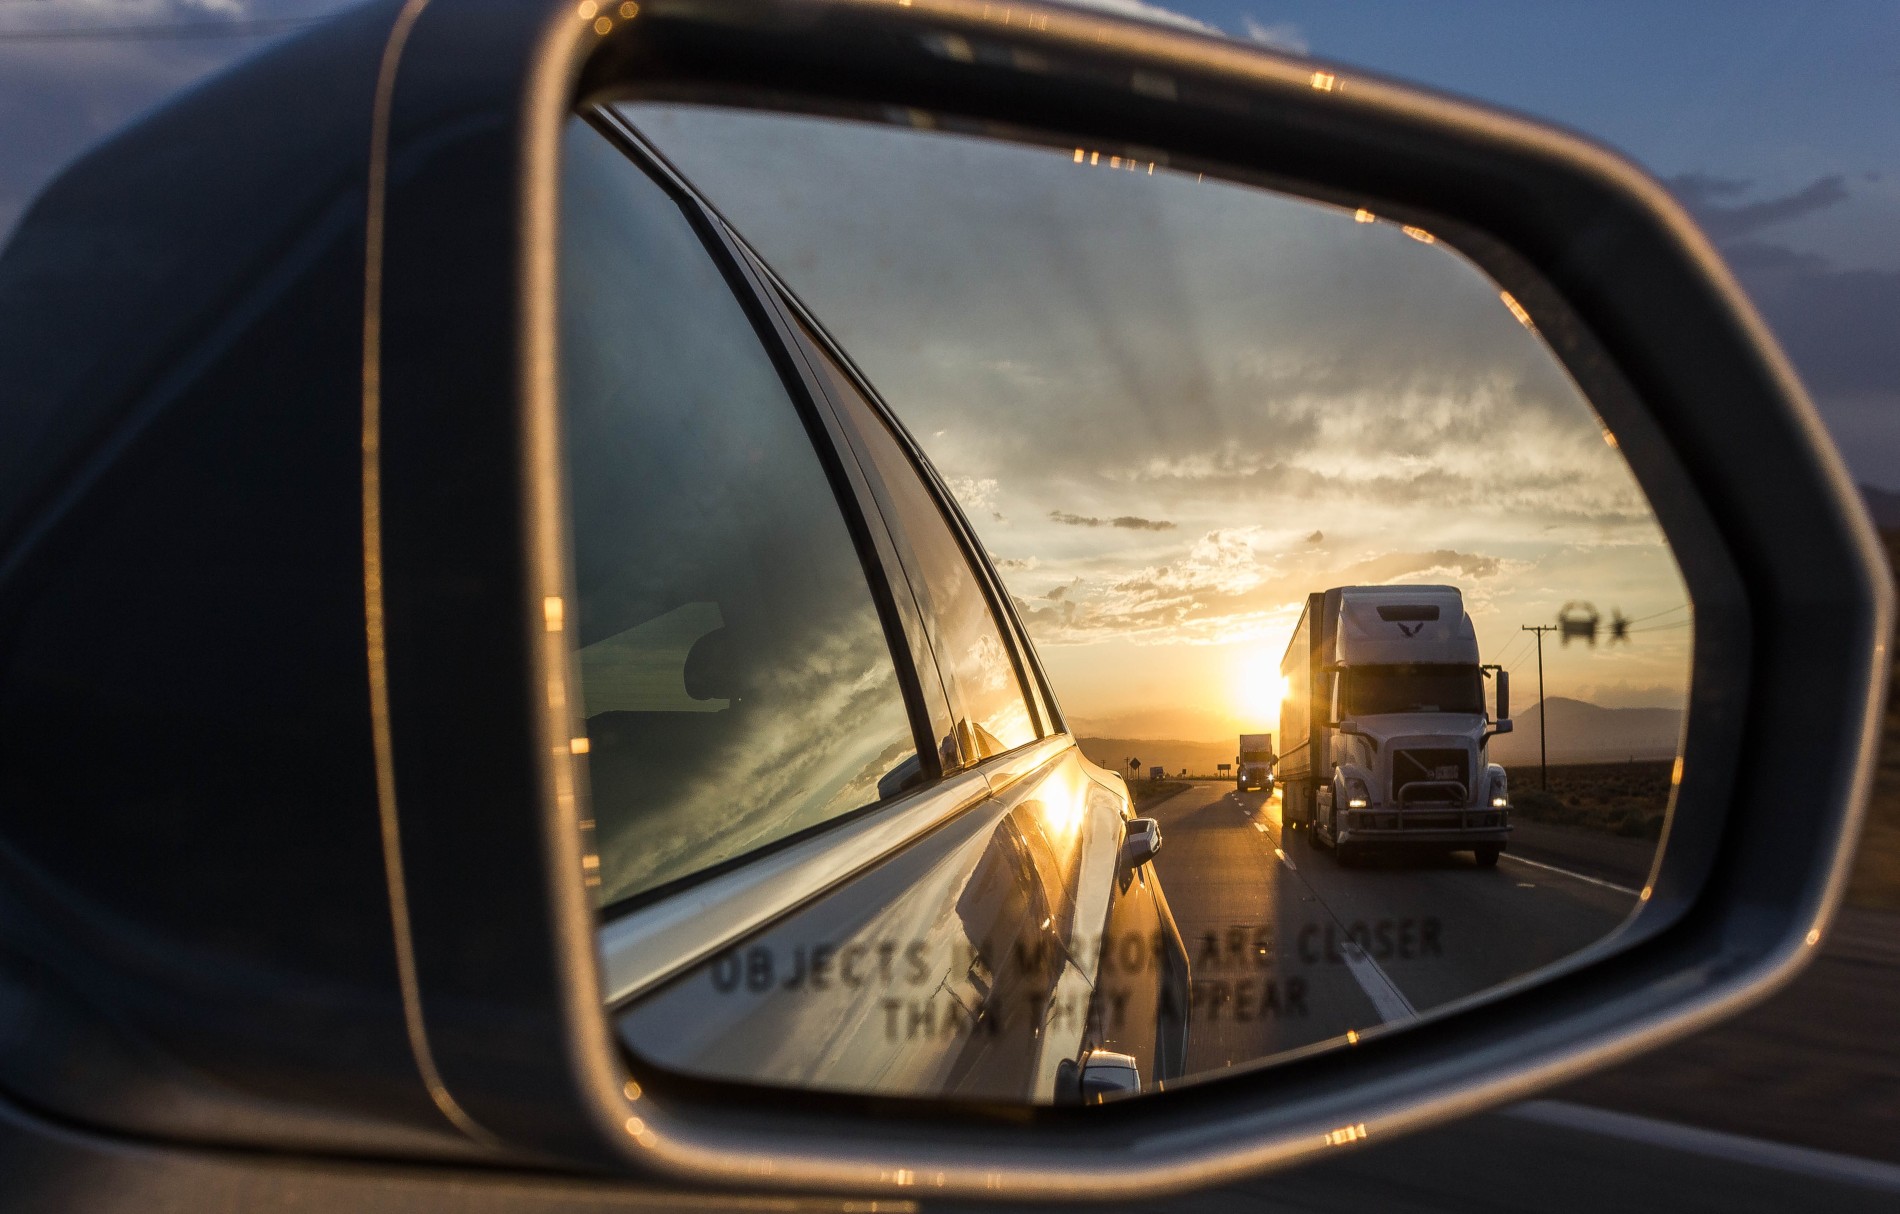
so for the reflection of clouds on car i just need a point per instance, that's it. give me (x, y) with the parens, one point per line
(773, 770)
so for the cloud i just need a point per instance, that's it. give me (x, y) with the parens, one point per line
(1280, 35)
(1220, 590)
(1835, 324)
(1126, 522)
(1723, 222)
(974, 493)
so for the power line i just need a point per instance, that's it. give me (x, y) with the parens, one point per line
(1661, 628)
(1504, 659)
(1657, 615)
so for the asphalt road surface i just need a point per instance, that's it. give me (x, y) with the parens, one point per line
(1226, 864)
(1288, 949)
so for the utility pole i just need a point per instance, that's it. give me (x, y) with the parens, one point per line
(1543, 714)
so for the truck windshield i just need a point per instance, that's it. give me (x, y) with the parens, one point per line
(1371, 690)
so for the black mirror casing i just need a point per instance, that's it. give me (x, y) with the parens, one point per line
(481, 847)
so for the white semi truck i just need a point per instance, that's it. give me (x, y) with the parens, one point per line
(1385, 728)
(1253, 766)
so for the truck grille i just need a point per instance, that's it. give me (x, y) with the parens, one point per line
(1436, 776)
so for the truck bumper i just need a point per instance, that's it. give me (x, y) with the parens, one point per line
(1439, 827)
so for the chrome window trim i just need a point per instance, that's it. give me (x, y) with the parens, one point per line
(646, 946)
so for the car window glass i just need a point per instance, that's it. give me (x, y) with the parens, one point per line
(736, 681)
(977, 666)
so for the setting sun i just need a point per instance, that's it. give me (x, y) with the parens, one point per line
(1258, 689)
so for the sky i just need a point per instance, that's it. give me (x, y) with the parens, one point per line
(1172, 407)
(1778, 125)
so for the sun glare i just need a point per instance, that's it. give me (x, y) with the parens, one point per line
(1258, 689)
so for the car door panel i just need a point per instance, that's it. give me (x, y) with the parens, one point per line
(968, 965)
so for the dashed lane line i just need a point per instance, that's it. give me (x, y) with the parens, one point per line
(1387, 999)
(1552, 868)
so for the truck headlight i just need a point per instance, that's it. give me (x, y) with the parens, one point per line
(1499, 801)
(1357, 797)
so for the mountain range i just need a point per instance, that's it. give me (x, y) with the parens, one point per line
(1580, 732)
(1589, 733)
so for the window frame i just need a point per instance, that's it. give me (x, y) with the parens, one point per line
(1028, 668)
(864, 523)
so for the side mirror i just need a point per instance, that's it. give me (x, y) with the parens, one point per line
(427, 745)
(1141, 840)
(1504, 697)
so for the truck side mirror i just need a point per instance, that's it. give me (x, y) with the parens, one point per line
(1504, 695)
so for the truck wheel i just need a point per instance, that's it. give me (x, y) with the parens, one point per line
(1486, 855)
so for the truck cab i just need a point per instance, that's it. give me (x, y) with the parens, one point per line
(1253, 766)
(1398, 727)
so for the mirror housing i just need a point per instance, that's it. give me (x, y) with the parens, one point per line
(1141, 841)
(1504, 696)
(491, 1045)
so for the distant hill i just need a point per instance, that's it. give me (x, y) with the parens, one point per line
(1198, 757)
(1579, 733)
(1587, 733)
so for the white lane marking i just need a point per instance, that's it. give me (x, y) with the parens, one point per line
(1261, 827)
(1387, 999)
(1621, 889)
(1285, 860)
(1713, 1144)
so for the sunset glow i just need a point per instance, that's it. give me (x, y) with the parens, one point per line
(1258, 689)
(1172, 407)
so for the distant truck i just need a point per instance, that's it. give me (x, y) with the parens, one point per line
(1385, 727)
(1253, 767)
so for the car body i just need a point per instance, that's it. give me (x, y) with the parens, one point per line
(305, 864)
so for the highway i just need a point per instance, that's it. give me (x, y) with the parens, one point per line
(1225, 863)
(1288, 949)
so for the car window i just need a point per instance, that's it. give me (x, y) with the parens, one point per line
(737, 681)
(979, 669)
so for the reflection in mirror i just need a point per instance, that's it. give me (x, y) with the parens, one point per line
(1371, 658)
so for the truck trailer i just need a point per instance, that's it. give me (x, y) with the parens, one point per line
(1253, 766)
(1385, 726)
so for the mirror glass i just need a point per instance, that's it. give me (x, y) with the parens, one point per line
(1051, 626)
